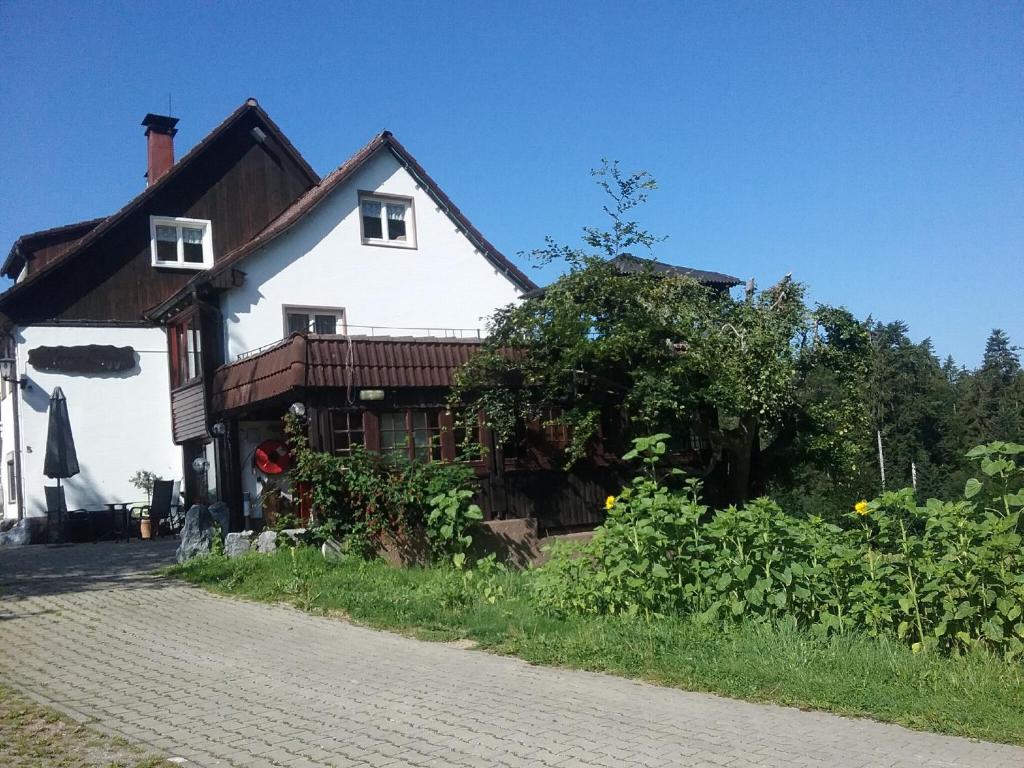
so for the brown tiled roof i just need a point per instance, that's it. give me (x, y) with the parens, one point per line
(339, 362)
(313, 197)
(168, 178)
(627, 263)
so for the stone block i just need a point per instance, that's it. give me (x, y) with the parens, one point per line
(266, 542)
(222, 515)
(237, 544)
(332, 551)
(19, 534)
(196, 534)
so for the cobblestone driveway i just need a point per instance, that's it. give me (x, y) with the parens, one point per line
(225, 682)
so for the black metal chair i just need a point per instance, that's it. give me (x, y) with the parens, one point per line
(62, 523)
(176, 518)
(159, 508)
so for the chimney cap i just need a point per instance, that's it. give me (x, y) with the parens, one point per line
(160, 123)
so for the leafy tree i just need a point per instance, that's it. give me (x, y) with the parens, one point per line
(668, 352)
(792, 397)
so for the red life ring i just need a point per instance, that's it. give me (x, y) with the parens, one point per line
(272, 457)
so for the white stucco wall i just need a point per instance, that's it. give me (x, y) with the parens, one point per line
(121, 422)
(10, 508)
(442, 283)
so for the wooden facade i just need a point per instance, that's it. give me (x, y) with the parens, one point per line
(236, 182)
(391, 394)
(527, 479)
(188, 412)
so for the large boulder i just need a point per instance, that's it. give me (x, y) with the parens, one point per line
(237, 544)
(222, 515)
(196, 534)
(18, 534)
(332, 550)
(266, 542)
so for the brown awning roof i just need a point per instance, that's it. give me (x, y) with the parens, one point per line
(339, 362)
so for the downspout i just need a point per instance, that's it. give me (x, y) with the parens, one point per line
(209, 362)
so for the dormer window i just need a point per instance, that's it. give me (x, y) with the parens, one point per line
(181, 243)
(387, 220)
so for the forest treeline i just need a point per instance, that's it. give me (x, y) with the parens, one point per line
(918, 416)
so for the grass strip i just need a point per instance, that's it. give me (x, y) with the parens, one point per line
(977, 695)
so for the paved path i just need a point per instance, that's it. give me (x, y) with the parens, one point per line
(224, 682)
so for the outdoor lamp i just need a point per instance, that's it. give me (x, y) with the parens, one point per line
(298, 410)
(200, 464)
(219, 429)
(7, 372)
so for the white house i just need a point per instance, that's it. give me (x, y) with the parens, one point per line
(233, 248)
(238, 285)
(74, 317)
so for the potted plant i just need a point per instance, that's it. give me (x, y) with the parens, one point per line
(143, 480)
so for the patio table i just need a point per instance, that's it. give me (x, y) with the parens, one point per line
(119, 516)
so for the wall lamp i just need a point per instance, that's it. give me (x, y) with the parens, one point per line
(8, 373)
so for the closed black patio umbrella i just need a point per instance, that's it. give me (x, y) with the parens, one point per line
(61, 460)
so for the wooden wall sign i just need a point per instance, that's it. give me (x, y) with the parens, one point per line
(89, 358)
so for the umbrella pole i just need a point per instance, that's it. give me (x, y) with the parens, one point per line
(62, 514)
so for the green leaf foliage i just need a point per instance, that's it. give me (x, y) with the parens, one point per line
(366, 498)
(946, 575)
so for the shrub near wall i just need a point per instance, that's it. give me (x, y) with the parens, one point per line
(945, 575)
(371, 501)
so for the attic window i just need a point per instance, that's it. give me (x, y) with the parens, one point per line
(387, 220)
(181, 243)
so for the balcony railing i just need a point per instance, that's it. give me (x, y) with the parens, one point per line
(383, 331)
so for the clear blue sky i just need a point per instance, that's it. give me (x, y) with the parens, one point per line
(874, 150)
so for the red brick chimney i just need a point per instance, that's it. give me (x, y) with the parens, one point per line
(160, 132)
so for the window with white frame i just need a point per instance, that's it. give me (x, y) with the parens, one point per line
(181, 243)
(387, 220)
(322, 320)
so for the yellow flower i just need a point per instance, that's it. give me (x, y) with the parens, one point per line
(609, 502)
(861, 508)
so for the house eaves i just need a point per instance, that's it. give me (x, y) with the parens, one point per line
(23, 245)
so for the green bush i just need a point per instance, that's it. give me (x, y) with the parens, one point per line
(449, 524)
(947, 575)
(362, 497)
